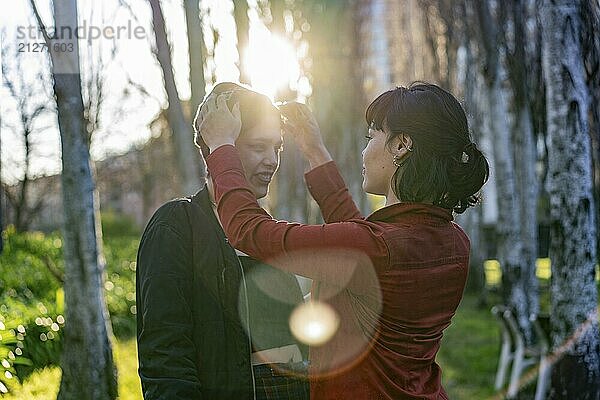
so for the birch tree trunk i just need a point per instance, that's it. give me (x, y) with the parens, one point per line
(88, 371)
(524, 147)
(473, 219)
(189, 163)
(591, 49)
(509, 245)
(576, 375)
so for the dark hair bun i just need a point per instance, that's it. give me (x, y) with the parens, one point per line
(467, 174)
(445, 166)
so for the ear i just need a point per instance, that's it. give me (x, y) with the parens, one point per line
(401, 145)
(406, 142)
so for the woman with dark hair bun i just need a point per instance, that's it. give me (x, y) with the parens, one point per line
(444, 168)
(394, 278)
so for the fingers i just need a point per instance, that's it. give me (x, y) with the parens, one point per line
(236, 111)
(222, 101)
(305, 112)
(289, 109)
(211, 104)
(297, 112)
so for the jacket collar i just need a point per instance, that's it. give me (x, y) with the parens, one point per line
(202, 198)
(411, 211)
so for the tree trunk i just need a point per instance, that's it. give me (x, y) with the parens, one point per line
(277, 25)
(509, 245)
(591, 48)
(524, 146)
(196, 51)
(339, 104)
(196, 55)
(242, 24)
(576, 375)
(189, 163)
(473, 219)
(528, 193)
(2, 202)
(21, 220)
(88, 371)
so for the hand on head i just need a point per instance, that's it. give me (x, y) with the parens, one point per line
(300, 123)
(219, 125)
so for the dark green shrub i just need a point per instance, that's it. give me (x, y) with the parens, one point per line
(11, 356)
(31, 339)
(115, 225)
(31, 299)
(120, 254)
(31, 266)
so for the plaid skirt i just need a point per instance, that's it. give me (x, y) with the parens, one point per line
(281, 381)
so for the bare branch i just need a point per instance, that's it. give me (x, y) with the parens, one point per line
(40, 23)
(54, 270)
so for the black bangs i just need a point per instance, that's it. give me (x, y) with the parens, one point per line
(378, 110)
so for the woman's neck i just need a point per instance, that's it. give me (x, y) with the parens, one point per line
(211, 197)
(211, 190)
(391, 198)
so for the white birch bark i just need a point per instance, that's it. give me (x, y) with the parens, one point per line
(88, 370)
(509, 244)
(528, 193)
(472, 221)
(572, 208)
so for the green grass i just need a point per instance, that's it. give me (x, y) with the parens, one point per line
(469, 353)
(43, 384)
(468, 358)
(129, 381)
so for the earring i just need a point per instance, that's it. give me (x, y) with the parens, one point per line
(398, 161)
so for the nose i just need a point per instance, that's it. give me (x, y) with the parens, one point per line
(271, 159)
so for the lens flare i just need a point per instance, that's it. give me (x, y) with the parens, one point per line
(271, 61)
(314, 323)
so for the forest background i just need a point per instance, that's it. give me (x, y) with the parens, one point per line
(96, 134)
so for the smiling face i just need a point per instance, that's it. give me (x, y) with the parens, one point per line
(259, 149)
(378, 164)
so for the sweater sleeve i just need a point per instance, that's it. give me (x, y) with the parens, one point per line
(329, 190)
(287, 245)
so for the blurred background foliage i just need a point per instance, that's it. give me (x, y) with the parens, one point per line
(32, 299)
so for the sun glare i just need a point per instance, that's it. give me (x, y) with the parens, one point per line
(271, 61)
(314, 323)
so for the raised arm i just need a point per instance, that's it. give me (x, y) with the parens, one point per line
(329, 190)
(324, 181)
(288, 245)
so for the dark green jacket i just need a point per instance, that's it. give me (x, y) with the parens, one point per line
(189, 290)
